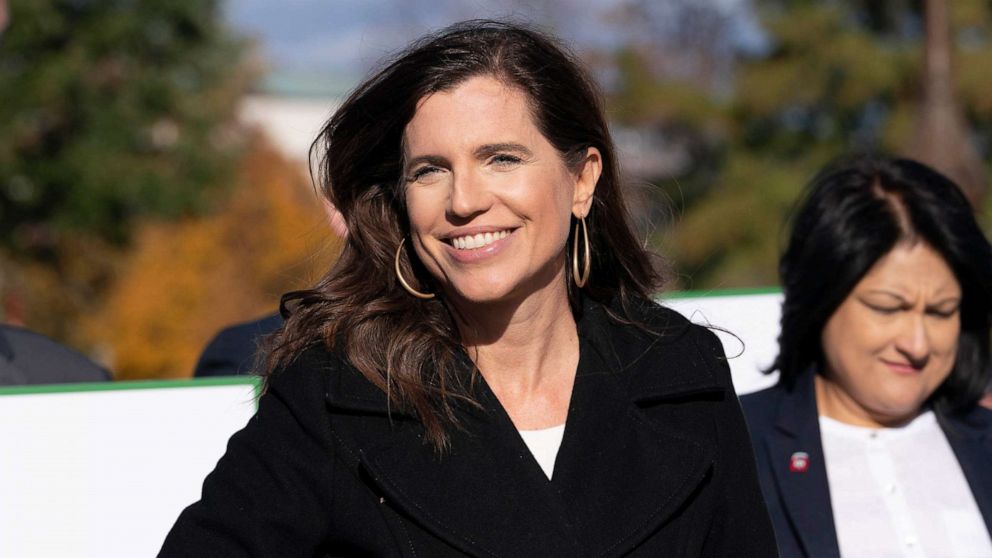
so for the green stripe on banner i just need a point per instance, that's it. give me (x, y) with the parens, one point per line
(133, 384)
(718, 292)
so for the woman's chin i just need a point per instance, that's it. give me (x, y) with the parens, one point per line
(480, 294)
(495, 290)
(898, 410)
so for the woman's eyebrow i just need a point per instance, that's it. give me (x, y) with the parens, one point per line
(490, 149)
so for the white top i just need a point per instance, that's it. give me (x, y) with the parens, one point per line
(900, 492)
(543, 445)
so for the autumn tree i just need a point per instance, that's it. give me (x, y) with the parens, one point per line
(184, 280)
(941, 136)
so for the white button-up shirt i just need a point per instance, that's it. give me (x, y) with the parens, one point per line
(900, 492)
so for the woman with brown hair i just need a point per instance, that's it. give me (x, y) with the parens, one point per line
(483, 371)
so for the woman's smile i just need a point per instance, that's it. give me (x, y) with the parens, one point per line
(478, 240)
(468, 247)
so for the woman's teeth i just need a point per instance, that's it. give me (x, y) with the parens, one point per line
(474, 242)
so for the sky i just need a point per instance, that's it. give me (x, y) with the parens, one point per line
(347, 37)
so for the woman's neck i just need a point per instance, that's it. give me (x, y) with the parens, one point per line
(527, 352)
(834, 402)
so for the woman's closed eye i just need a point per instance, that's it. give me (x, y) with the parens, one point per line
(885, 310)
(425, 174)
(505, 161)
(938, 312)
(943, 312)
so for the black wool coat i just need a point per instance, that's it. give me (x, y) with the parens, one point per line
(655, 461)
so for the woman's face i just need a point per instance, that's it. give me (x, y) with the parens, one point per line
(489, 198)
(893, 340)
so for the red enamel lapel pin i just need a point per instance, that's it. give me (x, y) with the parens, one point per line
(799, 462)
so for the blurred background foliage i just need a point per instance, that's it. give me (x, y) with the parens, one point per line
(112, 112)
(832, 77)
(139, 214)
(182, 281)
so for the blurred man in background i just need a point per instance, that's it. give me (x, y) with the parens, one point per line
(234, 350)
(31, 358)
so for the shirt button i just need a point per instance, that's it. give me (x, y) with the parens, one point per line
(891, 488)
(910, 542)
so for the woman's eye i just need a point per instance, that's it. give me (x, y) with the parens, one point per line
(424, 174)
(885, 310)
(505, 160)
(942, 313)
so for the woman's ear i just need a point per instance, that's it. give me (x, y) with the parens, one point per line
(585, 184)
(335, 219)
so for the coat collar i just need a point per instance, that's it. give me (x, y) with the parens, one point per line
(805, 494)
(618, 475)
(970, 437)
(626, 351)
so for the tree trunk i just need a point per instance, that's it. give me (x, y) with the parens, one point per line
(4, 15)
(941, 135)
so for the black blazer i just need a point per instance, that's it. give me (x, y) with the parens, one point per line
(784, 422)
(655, 461)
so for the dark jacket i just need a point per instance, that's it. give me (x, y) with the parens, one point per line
(232, 352)
(655, 461)
(784, 422)
(27, 358)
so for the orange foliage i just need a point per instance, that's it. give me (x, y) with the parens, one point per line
(185, 281)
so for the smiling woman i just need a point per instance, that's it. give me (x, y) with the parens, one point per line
(884, 353)
(489, 198)
(483, 371)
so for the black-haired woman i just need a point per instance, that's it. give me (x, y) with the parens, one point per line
(872, 442)
(483, 373)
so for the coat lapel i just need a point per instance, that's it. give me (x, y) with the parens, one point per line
(618, 475)
(485, 496)
(971, 439)
(805, 494)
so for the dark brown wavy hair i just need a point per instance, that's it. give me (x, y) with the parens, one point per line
(408, 347)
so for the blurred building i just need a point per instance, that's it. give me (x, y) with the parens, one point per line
(290, 108)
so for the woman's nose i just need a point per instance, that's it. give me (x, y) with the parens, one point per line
(469, 195)
(914, 339)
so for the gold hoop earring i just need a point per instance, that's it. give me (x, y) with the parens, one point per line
(580, 278)
(399, 275)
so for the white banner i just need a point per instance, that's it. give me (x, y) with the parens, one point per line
(105, 473)
(746, 322)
